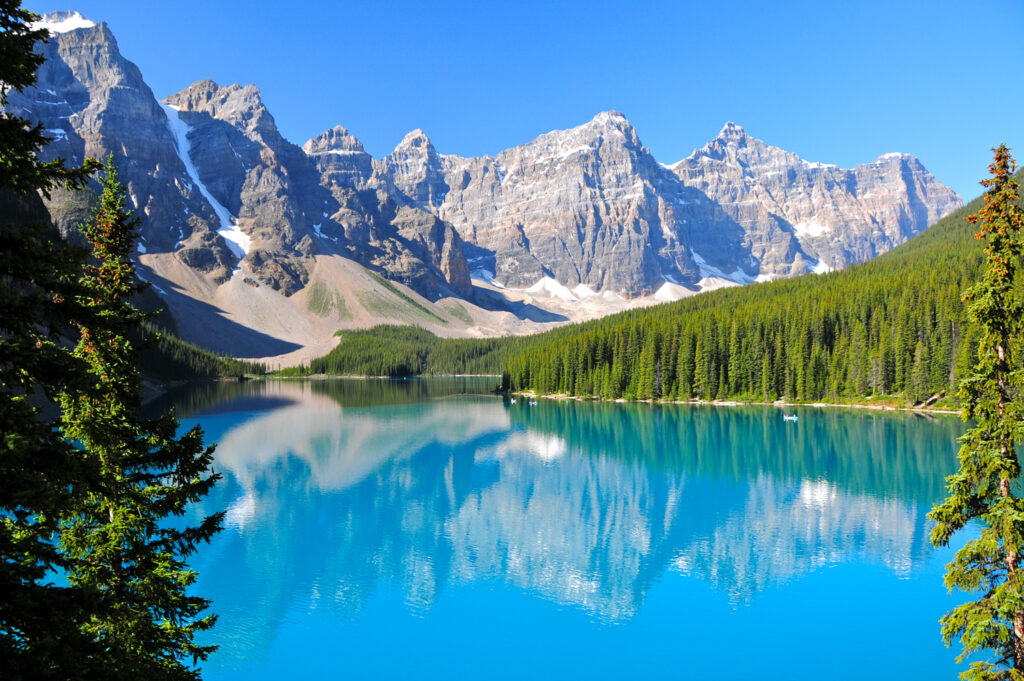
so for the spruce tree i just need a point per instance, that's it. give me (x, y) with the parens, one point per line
(123, 550)
(40, 473)
(986, 488)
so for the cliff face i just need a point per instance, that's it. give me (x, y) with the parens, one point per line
(584, 206)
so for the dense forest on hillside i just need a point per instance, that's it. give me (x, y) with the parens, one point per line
(893, 326)
(387, 350)
(169, 358)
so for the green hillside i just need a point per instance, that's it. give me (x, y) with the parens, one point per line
(388, 350)
(167, 358)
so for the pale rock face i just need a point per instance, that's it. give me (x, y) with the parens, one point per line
(415, 170)
(584, 206)
(788, 206)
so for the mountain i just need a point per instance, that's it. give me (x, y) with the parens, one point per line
(590, 207)
(260, 247)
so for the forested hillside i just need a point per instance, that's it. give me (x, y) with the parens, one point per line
(892, 326)
(411, 351)
(168, 358)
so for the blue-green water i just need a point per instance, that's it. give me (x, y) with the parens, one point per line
(380, 529)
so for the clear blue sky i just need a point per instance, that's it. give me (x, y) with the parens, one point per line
(836, 82)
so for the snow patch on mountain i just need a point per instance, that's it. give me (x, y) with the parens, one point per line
(715, 283)
(583, 291)
(553, 288)
(486, 276)
(670, 292)
(822, 268)
(62, 22)
(237, 240)
(710, 272)
(811, 228)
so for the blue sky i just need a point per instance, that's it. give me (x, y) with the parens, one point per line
(836, 82)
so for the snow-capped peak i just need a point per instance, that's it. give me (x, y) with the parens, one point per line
(614, 117)
(62, 22)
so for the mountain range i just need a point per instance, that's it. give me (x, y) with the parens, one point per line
(259, 247)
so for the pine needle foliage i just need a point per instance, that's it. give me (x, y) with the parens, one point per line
(126, 552)
(986, 489)
(40, 473)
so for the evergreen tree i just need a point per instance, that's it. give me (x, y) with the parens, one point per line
(986, 489)
(40, 473)
(123, 551)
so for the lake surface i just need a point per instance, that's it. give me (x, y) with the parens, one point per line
(427, 529)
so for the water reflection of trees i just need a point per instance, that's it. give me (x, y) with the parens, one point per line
(904, 455)
(207, 397)
(581, 504)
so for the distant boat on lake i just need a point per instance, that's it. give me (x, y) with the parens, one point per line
(790, 417)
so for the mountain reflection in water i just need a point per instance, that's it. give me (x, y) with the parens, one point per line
(586, 505)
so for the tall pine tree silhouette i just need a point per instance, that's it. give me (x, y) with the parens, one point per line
(124, 553)
(986, 488)
(40, 472)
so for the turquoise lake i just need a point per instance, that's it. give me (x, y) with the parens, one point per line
(428, 529)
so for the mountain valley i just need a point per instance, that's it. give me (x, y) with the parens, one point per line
(260, 248)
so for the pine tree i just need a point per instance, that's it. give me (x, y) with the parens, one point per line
(40, 473)
(124, 553)
(985, 489)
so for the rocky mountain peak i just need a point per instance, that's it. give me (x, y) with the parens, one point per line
(241, 106)
(340, 157)
(335, 140)
(731, 131)
(734, 146)
(414, 169)
(610, 123)
(608, 129)
(832, 216)
(416, 139)
(612, 119)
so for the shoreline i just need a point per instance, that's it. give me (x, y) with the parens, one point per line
(620, 400)
(744, 403)
(325, 377)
